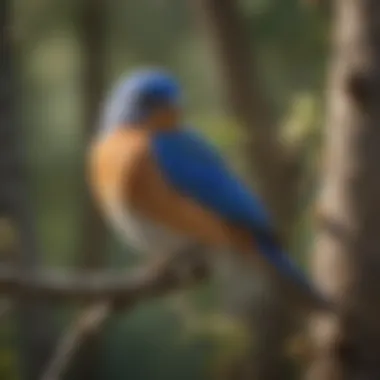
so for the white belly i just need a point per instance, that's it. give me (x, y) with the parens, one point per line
(144, 235)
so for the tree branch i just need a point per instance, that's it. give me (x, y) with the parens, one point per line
(87, 325)
(110, 290)
(119, 288)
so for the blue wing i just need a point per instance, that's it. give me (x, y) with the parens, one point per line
(196, 169)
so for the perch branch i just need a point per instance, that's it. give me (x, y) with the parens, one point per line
(118, 291)
(119, 288)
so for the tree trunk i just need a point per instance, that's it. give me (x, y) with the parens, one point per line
(93, 47)
(274, 167)
(347, 251)
(35, 328)
(272, 163)
(92, 36)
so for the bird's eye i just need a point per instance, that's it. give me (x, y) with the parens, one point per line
(151, 101)
(148, 101)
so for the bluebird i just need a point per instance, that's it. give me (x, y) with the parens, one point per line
(163, 186)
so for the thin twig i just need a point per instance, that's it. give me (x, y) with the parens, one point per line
(89, 323)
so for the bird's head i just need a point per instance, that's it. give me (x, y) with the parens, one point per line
(146, 98)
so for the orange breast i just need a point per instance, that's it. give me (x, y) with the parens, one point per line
(113, 164)
(111, 161)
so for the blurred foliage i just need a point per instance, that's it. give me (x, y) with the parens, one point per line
(290, 44)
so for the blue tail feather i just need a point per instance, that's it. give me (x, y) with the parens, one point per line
(287, 268)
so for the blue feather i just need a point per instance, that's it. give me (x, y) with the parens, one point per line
(127, 102)
(196, 169)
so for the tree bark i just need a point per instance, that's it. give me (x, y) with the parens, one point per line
(34, 324)
(346, 260)
(274, 166)
(92, 20)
